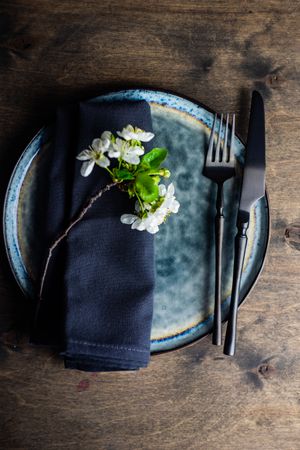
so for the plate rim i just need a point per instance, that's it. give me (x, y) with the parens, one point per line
(120, 91)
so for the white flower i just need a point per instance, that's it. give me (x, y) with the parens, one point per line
(141, 223)
(135, 221)
(131, 132)
(95, 154)
(170, 204)
(122, 149)
(152, 221)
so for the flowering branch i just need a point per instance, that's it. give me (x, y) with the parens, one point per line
(136, 172)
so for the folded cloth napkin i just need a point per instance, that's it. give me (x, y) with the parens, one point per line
(98, 294)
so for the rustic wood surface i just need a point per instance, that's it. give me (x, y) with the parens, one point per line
(195, 398)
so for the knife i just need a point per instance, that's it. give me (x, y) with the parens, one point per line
(253, 188)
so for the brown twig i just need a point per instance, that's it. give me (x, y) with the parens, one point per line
(65, 233)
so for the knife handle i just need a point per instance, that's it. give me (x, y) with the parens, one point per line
(219, 230)
(239, 256)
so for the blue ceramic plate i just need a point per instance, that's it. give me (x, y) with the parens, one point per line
(184, 294)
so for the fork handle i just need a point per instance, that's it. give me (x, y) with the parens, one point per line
(219, 230)
(239, 256)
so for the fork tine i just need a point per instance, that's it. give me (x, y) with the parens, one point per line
(209, 156)
(225, 156)
(217, 155)
(231, 154)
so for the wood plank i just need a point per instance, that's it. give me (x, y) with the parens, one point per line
(194, 398)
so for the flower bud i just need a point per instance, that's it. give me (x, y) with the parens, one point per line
(165, 173)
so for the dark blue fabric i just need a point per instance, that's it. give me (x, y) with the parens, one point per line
(98, 295)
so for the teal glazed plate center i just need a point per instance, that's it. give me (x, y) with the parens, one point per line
(184, 246)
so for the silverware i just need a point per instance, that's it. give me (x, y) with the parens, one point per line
(219, 167)
(253, 188)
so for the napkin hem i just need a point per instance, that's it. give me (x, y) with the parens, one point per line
(118, 347)
(101, 362)
(69, 355)
(90, 356)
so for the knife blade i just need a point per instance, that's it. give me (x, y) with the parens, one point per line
(253, 188)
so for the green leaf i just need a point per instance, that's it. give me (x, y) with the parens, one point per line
(123, 174)
(146, 187)
(154, 158)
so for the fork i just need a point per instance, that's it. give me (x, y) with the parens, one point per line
(219, 167)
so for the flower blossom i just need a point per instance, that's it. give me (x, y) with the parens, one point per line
(129, 153)
(95, 154)
(129, 132)
(153, 219)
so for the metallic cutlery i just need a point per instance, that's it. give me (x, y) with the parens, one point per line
(253, 188)
(219, 167)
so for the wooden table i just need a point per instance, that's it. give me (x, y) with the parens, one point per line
(196, 398)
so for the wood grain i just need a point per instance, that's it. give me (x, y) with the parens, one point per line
(196, 398)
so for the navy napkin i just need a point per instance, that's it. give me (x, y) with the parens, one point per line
(98, 295)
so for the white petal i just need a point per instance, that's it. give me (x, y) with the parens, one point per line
(152, 220)
(139, 225)
(129, 132)
(145, 137)
(171, 189)
(129, 128)
(125, 134)
(136, 223)
(118, 144)
(162, 190)
(87, 168)
(96, 145)
(175, 207)
(137, 150)
(84, 156)
(152, 229)
(105, 144)
(114, 153)
(106, 135)
(131, 158)
(103, 161)
(128, 219)
(160, 219)
(167, 202)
